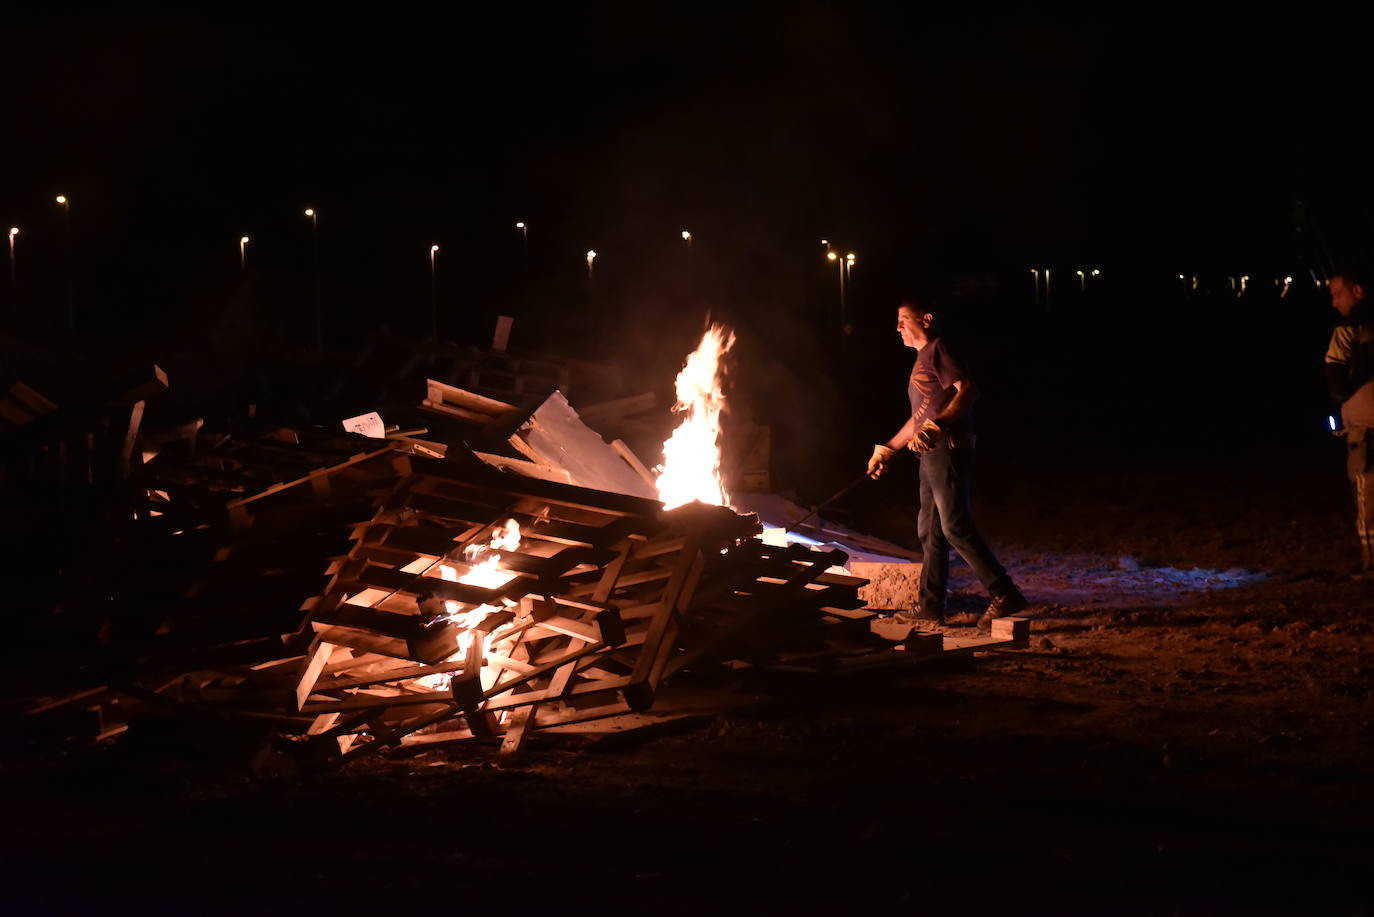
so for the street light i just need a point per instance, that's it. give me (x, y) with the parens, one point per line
(834, 258)
(687, 237)
(849, 260)
(243, 253)
(71, 283)
(14, 231)
(315, 263)
(1082, 281)
(433, 295)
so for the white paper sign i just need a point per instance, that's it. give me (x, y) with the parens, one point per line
(369, 424)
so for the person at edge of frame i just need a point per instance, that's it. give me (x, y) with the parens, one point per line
(940, 432)
(1350, 380)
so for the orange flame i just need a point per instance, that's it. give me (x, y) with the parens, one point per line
(691, 456)
(485, 571)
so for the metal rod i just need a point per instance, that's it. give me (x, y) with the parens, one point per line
(816, 511)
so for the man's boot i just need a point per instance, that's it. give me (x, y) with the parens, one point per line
(1006, 602)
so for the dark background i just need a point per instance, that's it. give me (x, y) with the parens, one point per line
(953, 153)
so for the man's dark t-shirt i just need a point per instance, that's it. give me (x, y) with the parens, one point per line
(931, 388)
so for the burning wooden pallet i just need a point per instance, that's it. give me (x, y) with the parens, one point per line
(586, 625)
(603, 596)
(459, 602)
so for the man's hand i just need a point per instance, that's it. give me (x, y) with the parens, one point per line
(877, 463)
(927, 438)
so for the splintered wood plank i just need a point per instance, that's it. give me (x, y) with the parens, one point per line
(527, 469)
(396, 581)
(242, 502)
(53, 703)
(612, 572)
(450, 508)
(591, 536)
(517, 731)
(403, 673)
(452, 396)
(315, 662)
(552, 492)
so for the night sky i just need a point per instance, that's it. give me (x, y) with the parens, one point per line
(950, 151)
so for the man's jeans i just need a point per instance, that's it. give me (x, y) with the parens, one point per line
(1357, 414)
(945, 519)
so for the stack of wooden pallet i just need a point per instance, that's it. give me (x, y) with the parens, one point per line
(604, 596)
(361, 594)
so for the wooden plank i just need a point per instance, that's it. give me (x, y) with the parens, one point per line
(619, 408)
(626, 453)
(483, 476)
(130, 438)
(517, 731)
(450, 395)
(278, 488)
(414, 584)
(310, 672)
(1012, 628)
(448, 410)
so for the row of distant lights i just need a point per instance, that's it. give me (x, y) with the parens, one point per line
(1082, 277)
(1240, 287)
(850, 258)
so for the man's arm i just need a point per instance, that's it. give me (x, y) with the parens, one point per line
(964, 395)
(904, 435)
(1338, 354)
(882, 453)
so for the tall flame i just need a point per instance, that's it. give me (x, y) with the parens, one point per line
(691, 456)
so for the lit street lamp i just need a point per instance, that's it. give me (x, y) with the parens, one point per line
(524, 246)
(834, 258)
(687, 237)
(71, 283)
(14, 231)
(848, 269)
(243, 253)
(315, 264)
(433, 294)
(1082, 281)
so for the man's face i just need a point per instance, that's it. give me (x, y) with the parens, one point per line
(1344, 296)
(913, 327)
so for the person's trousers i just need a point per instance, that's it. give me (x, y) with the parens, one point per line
(945, 520)
(1357, 416)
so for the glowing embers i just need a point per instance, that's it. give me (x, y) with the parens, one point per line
(485, 571)
(691, 456)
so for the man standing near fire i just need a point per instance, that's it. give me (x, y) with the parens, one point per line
(940, 431)
(1350, 378)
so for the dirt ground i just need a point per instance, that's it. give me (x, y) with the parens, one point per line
(1190, 732)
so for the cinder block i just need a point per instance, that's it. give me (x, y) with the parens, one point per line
(890, 585)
